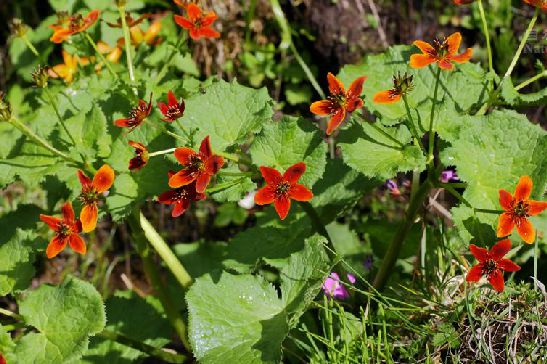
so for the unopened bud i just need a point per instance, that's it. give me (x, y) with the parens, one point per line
(18, 28)
(41, 76)
(5, 108)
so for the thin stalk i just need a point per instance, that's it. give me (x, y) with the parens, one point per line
(381, 131)
(161, 152)
(488, 211)
(32, 135)
(530, 80)
(398, 239)
(486, 35)
(514, 61)
(182, 37)
(54, 106)
(232, 157)
(536, 253)
(306, 70)
(319, 226)
(151, 271)
(430, 156)
(412, 126)
(101, 56)
(415, 183)
(142, 347)
(30, 46)
(170, 259)
(236, 174)
(127, 40)
(13, 315)
(248, 18)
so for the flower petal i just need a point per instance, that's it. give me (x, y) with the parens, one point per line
(323, 107)
(265, 196)
(172, 99)
(300, 193)
(271, 175)
(202, 181)
(386, 97)
(454, 41)
(356, 87)
(479, 253)
(505, 199)
(496, 280)
(183, 22)
(68, 213)
(294, 172)
(420, 60)
(205, 147)
(335, 121)
(425, 47)
(193, 11)
(505, 225)
(474, 274)
(123, 123)
(282, 206)
(104, 178)
(500, 249)
(180, 208)
(446, 65)
(60, 35)
(208, 33)
(88, 217)
(214, 164)
(508, 266)
(526, 230)
(55, 246)
(166, 198)
(163, 107)
(208, 19)
(152, 32)
(51, 221)
(182, 178)
(463, 57)
(536, 207)
(77, 243)
(336, 87)
(184, 155)
(524, 188)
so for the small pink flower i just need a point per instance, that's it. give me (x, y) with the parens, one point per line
(449, 175)
(333, 288)
(393, 188)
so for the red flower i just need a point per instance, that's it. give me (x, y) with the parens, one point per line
(136, 115)
(77, 24)
(67, 230)
(91, 191)
(462, 2)
(180, 197)
(542, 4)
(517, 210)
(198, 23)
(2, 359)
(401, 86)
(340, 102)
(441, 52)
(197, 167)
(173, 109)
(491, 264)
(280, 189)
(141, 156)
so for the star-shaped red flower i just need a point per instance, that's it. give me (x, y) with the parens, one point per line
(198, 23)
(136, 115)
(441, 52)
(67, 231)
(91, 192)
(173, 109)
(180, 197)
(76, 24)
(141, 156)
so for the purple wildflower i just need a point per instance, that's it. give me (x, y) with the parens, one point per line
(449, 175)
(333, 288)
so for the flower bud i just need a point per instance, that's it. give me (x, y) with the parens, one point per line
(18, 28)
(5, 108)
(403, 83)
(41, 76)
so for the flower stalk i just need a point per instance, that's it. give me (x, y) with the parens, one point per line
(486, 35)
(101, 56)
(430, 153)
(127, 42)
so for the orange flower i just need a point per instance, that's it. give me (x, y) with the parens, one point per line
(91, 190)
(112, 54)
(518, 208)
(198, 23)
(281, 189)
(138, 36)
(141, 156)
(66, 70)
(401, 86)
(542, 4)
(76, 24)
(492, 264)
(340, 102)
(462, 2)
(441, 52)
(67, 230)
(136, 115)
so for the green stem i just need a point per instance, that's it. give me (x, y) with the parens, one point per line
(54, 106)
(175, 135)
(514, 61)
(248, 18)
(530, 80)
(29, 133)
(412, 126)
(232, 157)
(151, 271)
(486, 35)
(489, 211)
(430, 153)
(165, 66)
(142, 347)
(536, 253)
(30, 46)
(127, 41)
(170, 259)
(101, 56)
(319, 226)
(13, 315)
(398, 239)
(161, 152)
(381, 131)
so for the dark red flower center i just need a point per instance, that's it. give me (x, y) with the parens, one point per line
(89, 195)
(402, 84)
(180, 195)
(337, 101)
(196, 164)
(489, 267)
(76, 23)
(173, 112)
(63, 230)
(440, 48)
(521, 209)
(282, 189)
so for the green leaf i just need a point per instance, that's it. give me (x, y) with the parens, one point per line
(63, 5)
(6, 343)
(227, 112)
(515, 98)
(123, 194)
(230, 213)
(491, 153)
(65, 317)
(201, 258)
(121, 310)
(230, 187)
(17, 256)
(373, 154)
(288, 141)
